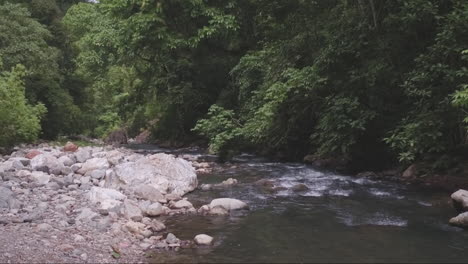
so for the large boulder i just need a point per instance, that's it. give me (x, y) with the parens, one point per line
(163, 172)
(47, 163)
(228, 204)
(149, 193)
(460, 200)
(94, 164)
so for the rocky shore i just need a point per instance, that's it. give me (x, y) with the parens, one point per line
(96, 204)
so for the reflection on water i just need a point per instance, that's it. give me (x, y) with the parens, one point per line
(335, 219)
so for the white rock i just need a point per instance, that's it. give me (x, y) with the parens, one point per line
(65, 160)
(161, 171)
(132, 211)
(108, 199)
(23, 174)
(82, 155)
(148, 193)
(182, 204)
(86, 215)
(115, 157)
(203, 239)
(155, 209)
(47, 163)
(94, 164)
(39, 177)
(460, 200)
(228, 204)
(44, 227)
(135, 227)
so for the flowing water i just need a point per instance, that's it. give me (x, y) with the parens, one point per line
(338, 219)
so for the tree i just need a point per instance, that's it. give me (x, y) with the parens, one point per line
(19, 121)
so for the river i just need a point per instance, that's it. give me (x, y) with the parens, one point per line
(338, 219)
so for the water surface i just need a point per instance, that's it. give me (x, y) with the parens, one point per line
(338, 219)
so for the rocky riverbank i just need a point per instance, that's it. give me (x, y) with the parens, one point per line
(95, 204)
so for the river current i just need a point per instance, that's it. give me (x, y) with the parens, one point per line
(337, 218)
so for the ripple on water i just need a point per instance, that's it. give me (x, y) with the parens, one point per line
(378, 219)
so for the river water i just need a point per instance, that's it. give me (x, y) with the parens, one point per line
(338, 219)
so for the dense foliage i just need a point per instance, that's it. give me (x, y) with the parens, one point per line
(371, 82)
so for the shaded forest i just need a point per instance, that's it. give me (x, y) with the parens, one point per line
(371, 83)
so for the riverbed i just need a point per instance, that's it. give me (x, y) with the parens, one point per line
(338, 218)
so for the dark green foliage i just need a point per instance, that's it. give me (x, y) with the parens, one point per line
(366, 81)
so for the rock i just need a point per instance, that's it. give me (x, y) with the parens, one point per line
(132, 211)
(23, 174)
(67, 161)
(82, 155)
(24, 161)
(108, 199)
(86, 215)
(206, 187)
(173, 197)
(203, 239)
(218, 210)
(460, 220)
(460, 200)
(53, 186)
(300, 188)
(33, 153)
(78, 238)
(114, 157)
(94, 164)
(7, 198)
(172, 239)
(161, 171)
(40, 178)
(229, 182)
(148, 193)
(44, 227)
(154, 209)
(410, 172)
(135, 227)
(11, 165)
(75, 167)
(157, 226)
(228, 204)
(97, 174)
(46, 163)
(66, 170)
(182, 204)
(70, 147)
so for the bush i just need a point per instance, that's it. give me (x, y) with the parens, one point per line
(19, 121)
